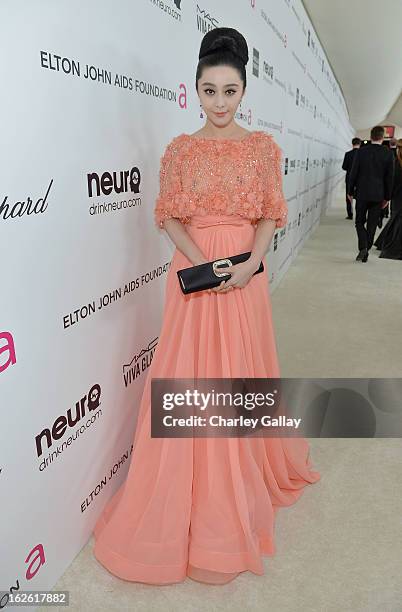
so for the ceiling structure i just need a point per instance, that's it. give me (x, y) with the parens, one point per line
(363, 43)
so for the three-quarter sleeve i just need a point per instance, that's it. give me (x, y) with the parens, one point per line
(169, 185)
(274, 204)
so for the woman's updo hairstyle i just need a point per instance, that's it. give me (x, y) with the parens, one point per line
(223, 47)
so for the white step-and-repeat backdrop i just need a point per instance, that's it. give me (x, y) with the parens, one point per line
(91, 94)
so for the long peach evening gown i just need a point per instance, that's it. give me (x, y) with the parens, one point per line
(205, 507)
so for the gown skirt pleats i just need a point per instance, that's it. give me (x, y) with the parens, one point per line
(204, 505)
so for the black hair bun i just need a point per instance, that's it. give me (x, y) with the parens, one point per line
(224, 39)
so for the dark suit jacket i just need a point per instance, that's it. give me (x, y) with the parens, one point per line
(348, 162)
(372, 173)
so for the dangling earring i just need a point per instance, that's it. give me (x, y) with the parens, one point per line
(201, 113)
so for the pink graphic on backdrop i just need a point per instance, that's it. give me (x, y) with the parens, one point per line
(7, 348)
(36, 559)
(182, 96)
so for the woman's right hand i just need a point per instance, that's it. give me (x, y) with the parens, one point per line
(220, 288)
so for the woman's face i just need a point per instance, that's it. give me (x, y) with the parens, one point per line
(220, 89)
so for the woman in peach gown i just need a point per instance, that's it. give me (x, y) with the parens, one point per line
(205, 507)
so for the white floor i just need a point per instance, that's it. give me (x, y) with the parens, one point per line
(339, 548)
(335, 316)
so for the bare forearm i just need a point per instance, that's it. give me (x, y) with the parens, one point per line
(179, 235)
(263, 236)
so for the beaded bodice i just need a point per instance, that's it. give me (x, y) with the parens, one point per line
(210, 176)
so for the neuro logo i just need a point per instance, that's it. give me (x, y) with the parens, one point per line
(63, 422)
(121, 181)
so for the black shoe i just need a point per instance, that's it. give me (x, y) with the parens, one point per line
(365, 255)
(348, 217)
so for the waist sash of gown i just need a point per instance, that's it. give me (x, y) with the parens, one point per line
(201, 221)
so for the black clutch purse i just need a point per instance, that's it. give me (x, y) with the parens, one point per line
(210, 274)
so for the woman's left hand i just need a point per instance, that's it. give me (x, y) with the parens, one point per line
(241, 273)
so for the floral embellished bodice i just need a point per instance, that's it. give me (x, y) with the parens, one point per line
(210, 176)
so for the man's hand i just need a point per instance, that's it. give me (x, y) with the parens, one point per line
(350, 198)
(384, 203)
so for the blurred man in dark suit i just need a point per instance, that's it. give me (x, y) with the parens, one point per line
(347, 165)
(392, 146)
(371, 179)
(385, 211)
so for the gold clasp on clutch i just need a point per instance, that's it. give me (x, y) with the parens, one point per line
(218, 262)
